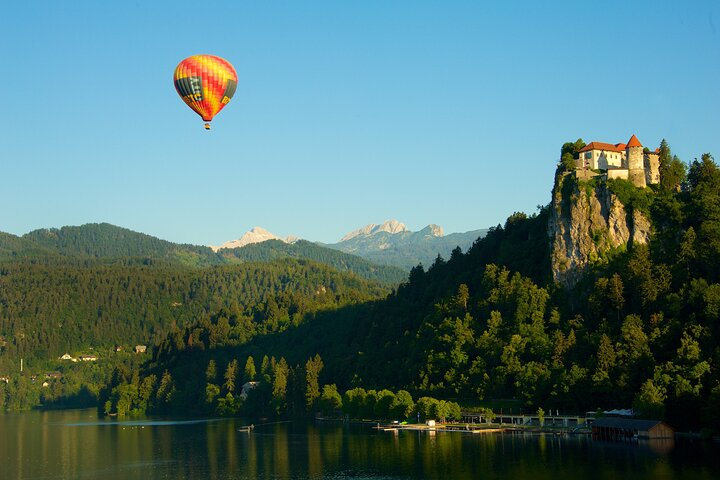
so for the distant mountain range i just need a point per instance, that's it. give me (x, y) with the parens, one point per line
(389, 243)
(112, 243)
(384, 252)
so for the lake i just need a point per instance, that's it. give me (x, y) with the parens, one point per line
(77, 444)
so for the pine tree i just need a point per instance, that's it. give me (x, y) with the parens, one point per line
(230, 376)
(279, 387)
(312, 377)
(211, 372)
(250, 369)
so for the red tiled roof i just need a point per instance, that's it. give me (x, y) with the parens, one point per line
(603, 146)
(634, 142)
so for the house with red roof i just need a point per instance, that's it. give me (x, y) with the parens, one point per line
(601, 156)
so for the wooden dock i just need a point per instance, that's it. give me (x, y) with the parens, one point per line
(469, 428)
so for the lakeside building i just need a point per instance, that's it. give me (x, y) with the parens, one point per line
(616, 428)
(245, 390)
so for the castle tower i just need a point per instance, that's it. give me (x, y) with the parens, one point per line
(652, 167)
(635, 162)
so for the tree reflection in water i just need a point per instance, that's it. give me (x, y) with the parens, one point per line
(78, 444)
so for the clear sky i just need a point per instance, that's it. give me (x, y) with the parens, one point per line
(346, 112)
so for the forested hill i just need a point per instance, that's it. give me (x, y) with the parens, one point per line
(13, 247)
(109, 242)
(102, 240)
(273, 249)
(640, 328)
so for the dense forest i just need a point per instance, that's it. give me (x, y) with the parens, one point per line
(51, 306)
(640, 330)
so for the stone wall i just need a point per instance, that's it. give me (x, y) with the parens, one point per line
(652, 168)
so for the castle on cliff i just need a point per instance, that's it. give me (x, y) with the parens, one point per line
(629, 161)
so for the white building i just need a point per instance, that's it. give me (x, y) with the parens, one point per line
(601, 156)
(628, 161)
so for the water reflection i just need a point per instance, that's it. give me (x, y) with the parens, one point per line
(77, 444)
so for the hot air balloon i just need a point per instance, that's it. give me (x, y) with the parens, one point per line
(206, 83)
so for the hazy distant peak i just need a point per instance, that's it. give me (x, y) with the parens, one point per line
(432, 230)
(259, 232)
(254, 235)
(390, 226)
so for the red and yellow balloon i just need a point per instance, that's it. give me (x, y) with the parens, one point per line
(206, 83)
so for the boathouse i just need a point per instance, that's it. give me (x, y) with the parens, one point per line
(613, 428)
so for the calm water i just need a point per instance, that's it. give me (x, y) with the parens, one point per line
(79, 445)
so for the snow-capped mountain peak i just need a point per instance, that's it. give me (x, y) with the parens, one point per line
(254, 235)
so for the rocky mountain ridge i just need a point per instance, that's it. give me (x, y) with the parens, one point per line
(390, 226)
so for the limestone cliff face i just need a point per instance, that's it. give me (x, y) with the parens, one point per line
(585, 223)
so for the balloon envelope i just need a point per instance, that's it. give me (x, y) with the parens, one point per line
(206, 83)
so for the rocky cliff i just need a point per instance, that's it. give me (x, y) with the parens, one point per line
(587, 221)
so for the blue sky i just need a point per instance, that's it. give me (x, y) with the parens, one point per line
(346, 112)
